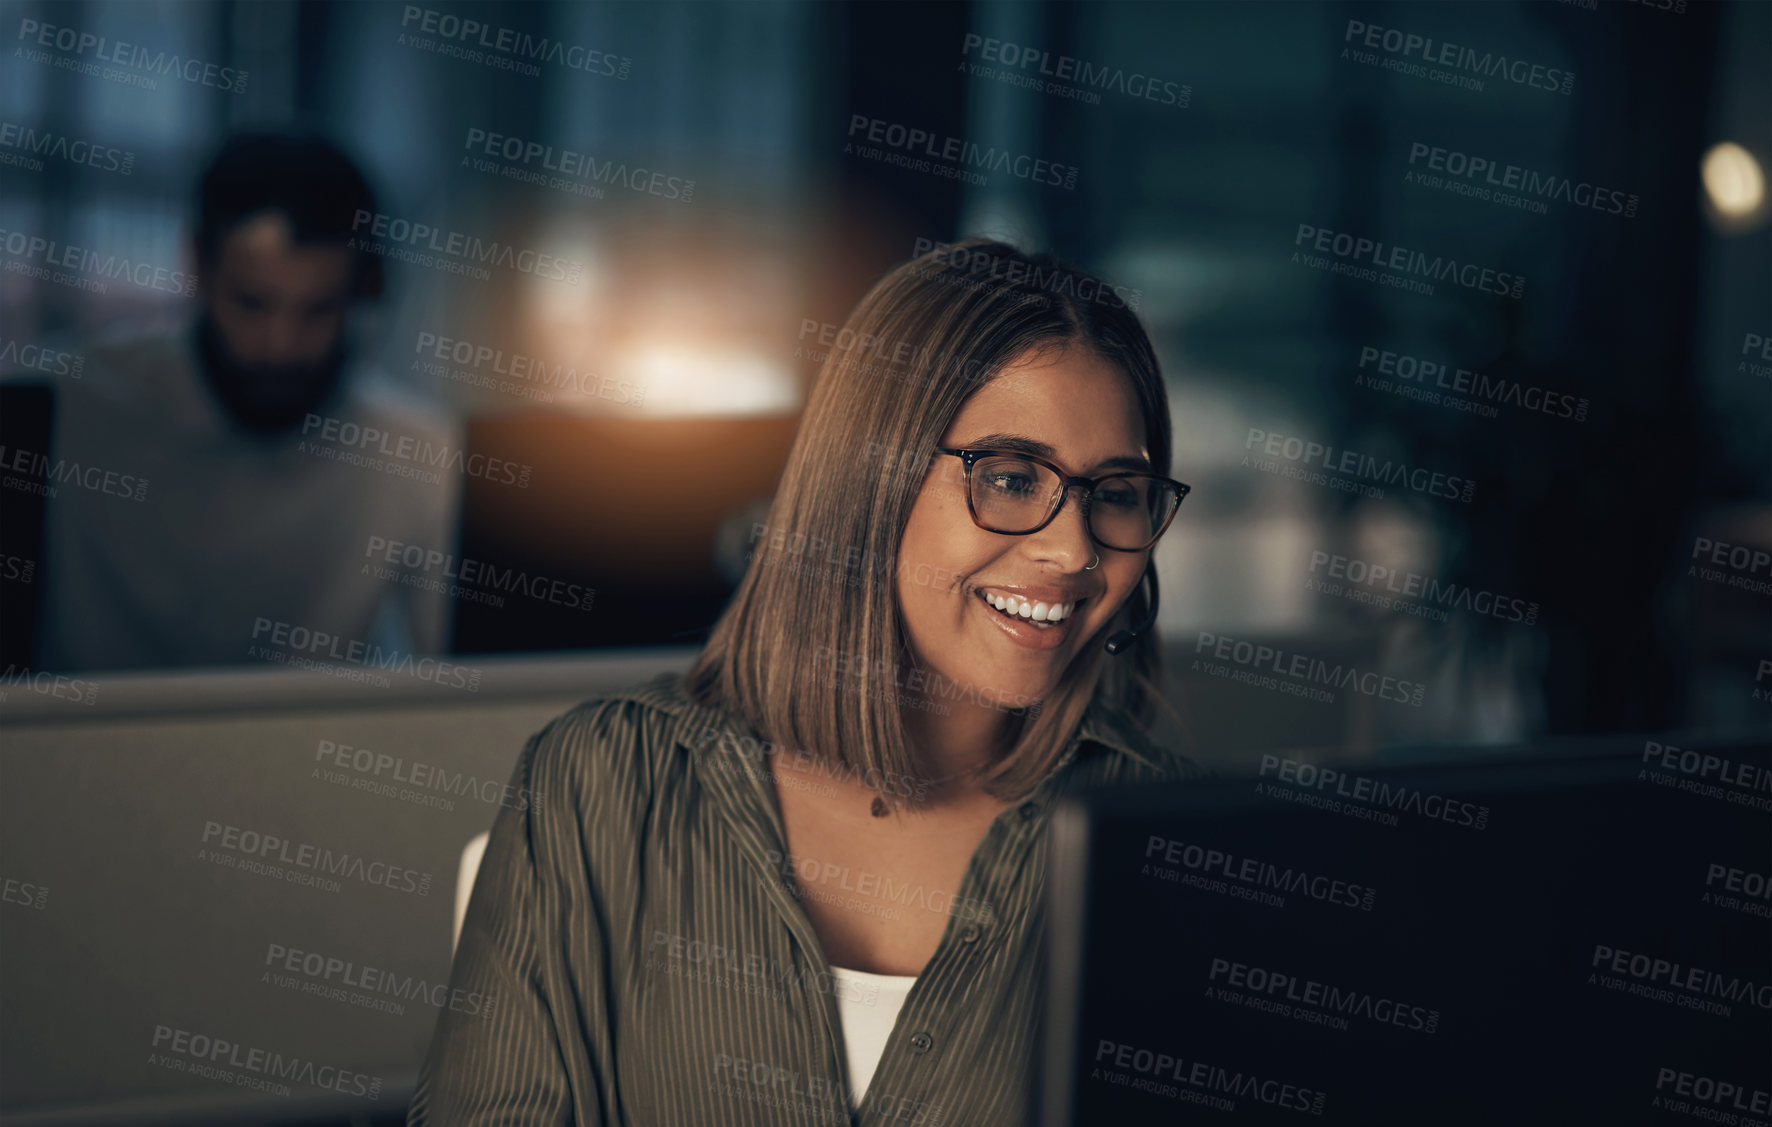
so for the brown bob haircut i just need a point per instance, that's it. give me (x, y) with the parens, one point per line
(963, 312)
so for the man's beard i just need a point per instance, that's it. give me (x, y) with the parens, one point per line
(267, 400)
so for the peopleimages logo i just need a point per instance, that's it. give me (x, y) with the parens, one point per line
(1742, 889)
(1759, 346)
(1429, 483)
(17, 568)
(1663, 980)
(261, 849)
(1202, 1082)
(359, 768)
(1253, 876)
(1465, 171)
(350, 440)
(83, 268)
(1692, 771)
(301, 647)
(504, 48)
(1389, 587)
(1374, 261)
(467, 578)
(468, 251)
(76, 45)
(954, 156)
(783, 1090)
(914, 686)
(96, 479)
(1286, 990)
(327, 976)
(885, 356)
(1733, 565)
(748, 748)
(210, 1052)
(22, 139)
(1302, 674)
(14, 891)
(16, 354)
(749, 972)
(1068, 69)
(983, 268)
(1373, 793)
(816, 877)
(577, 170)
(1461, 63)
(1708, 1090)
(74, 690)
(1408, 376)
(481, 365)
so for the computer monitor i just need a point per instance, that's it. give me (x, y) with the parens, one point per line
(1560, 934)
(209, 869)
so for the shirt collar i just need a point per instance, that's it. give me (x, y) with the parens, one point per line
(1101, 725)
(1119, 732)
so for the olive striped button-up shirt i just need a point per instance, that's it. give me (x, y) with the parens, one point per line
(646, 961)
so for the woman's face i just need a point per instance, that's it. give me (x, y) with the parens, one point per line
(1082, 407)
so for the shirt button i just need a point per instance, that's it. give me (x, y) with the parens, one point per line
(1028, 810)
(970, 935)
(922, 1042)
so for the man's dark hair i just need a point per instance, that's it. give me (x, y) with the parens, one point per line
(302, 176)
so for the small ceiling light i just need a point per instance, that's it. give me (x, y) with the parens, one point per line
(1733, 184)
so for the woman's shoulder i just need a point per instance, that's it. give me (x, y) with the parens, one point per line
(620, 737)
(1154, 759)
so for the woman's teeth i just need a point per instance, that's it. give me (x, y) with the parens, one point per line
(1043, 615)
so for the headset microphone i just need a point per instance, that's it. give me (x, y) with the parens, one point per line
(1124, 638)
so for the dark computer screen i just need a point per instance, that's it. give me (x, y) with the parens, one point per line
(1567, 939)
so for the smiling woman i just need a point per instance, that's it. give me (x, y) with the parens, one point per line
(1005, 356)
(803, 883)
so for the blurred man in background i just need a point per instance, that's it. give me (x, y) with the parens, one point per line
(267, 474)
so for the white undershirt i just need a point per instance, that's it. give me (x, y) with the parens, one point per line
(868, 1005)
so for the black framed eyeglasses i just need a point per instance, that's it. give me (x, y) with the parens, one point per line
(1017, 494)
